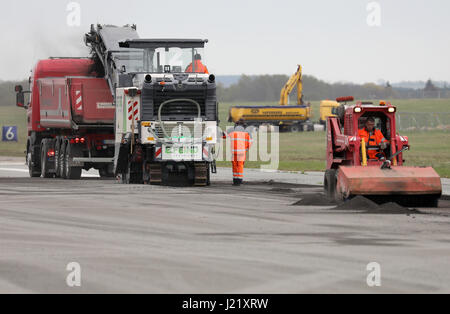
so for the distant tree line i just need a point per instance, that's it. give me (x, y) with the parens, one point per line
(268, 87)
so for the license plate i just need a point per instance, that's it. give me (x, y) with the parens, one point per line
(182, 152)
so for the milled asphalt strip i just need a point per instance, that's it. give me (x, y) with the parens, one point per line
(13, 170)
(308, 178)
(85, 175)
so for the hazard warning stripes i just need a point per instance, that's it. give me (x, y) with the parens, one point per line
(133, 110)
(79, 100)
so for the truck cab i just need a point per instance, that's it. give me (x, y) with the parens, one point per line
(327, 109)
(70, 117)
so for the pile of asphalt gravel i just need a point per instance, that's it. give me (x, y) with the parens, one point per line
(394, 208)
(358, 203)
(317, 199)
(367, 206)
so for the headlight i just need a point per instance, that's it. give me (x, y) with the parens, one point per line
(210, 134)
(358, 109)
(392, 109)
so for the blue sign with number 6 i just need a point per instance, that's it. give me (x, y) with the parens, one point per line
(9, 134)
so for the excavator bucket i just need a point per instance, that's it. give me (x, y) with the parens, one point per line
(409, 186)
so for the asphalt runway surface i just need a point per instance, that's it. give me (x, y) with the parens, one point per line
(218, 239)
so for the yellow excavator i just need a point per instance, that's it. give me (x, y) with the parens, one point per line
(287, 118)
(294, 80)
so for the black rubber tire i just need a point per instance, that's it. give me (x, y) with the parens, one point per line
(125, 178)
(433, 202)
(33, 169)
(330, 182)
(295, 128)
(426, 201)
(57, 157)
(44, 159)
(208, 175)
(136, 173)
(104, 173)
(62, 160)
(71, 173)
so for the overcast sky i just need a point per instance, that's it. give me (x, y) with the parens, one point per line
(330, 38)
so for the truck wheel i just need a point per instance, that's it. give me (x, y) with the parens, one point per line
(427, 201)
(33, 169)
(330, 183)
(57, 157)
(44, 159)
(295, 128)
(208, 174)
(432, 202)
(125, 178)
(105, 173)
(135, 173)
(72, 173)
(62, 159)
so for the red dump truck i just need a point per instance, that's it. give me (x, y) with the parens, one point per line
(70, 116)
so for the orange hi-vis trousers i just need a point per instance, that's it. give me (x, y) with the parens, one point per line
(238, 169)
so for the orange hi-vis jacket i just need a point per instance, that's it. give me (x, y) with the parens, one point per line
(373, 140)
(199, 67)
(241, 142)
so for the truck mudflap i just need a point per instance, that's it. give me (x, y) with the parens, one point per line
(398, 180)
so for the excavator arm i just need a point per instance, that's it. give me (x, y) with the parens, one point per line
(294, 80)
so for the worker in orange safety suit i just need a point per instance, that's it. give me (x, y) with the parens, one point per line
(199, 66)
(241, 142)
(374, 139)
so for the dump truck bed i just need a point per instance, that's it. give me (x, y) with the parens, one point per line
(79, 100)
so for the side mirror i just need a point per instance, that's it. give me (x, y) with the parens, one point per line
(20, 100)
(20, 96)
(18, 88)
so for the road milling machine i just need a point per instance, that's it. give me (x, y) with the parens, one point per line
(166, 109)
